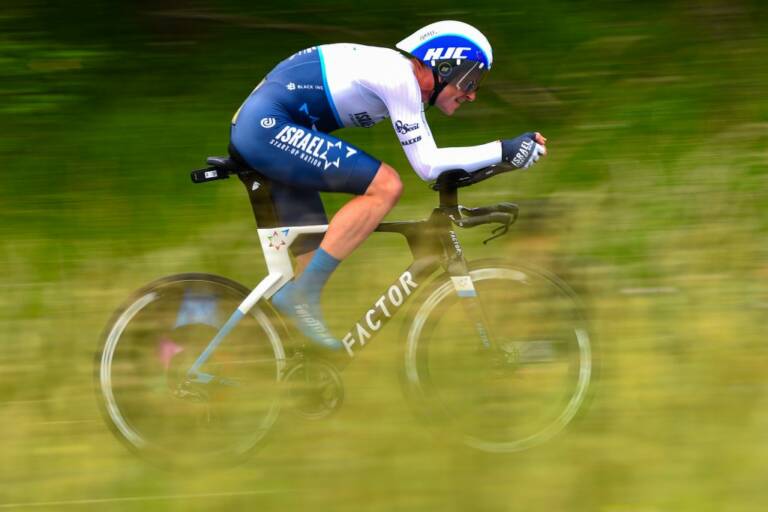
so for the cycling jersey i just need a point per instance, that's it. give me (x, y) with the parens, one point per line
(283, 128)
(368, 84)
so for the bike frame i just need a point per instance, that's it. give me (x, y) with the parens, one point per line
(432, 242)
(433, 245)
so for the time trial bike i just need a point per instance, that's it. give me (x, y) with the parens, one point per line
(497, 353)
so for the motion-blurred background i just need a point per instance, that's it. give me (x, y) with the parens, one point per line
(652, 203)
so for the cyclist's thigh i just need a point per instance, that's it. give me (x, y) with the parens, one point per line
(297, 156)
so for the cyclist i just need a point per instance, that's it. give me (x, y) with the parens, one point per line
(283, 130)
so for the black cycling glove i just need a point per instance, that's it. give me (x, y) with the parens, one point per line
(523, 151)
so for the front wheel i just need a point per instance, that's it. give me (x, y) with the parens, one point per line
(522, 388)
(141, 373)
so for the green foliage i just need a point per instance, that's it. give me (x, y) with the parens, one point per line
(652, 202)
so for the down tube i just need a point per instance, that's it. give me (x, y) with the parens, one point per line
(385, 307)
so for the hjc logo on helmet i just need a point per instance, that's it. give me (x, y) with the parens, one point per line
(446, 53)
(459, 43)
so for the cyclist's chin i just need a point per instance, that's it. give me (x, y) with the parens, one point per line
(448, 108)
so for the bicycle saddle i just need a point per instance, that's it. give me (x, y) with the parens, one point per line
(220, 167)
(226, 163)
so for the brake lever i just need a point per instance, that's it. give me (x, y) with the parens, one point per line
(499, 231)
(513, 211)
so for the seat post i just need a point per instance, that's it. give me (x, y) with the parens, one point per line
(259, 190)
(259, 194)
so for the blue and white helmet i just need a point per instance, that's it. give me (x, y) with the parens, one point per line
(456, 52)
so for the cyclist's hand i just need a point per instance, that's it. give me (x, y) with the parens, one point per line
(525, 150)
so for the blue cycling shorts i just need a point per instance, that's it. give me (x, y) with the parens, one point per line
(281, 130)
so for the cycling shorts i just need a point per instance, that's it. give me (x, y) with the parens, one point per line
(281, 130)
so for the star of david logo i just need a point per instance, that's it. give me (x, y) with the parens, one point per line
(276, 241)
(324, 155)
(330, 146)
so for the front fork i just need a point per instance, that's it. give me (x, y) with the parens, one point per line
(457, 268)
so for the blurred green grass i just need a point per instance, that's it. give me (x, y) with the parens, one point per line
(652, 203)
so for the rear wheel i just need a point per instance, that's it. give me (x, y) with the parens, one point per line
(143, 387)
(522, 390)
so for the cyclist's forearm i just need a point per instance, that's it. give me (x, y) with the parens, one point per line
(431, 163)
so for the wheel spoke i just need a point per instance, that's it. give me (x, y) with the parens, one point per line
(528, 386)
(143, 377)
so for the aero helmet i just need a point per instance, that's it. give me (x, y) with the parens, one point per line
(457, 53)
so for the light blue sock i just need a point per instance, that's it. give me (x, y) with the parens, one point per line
(300, 300)
(320, 268)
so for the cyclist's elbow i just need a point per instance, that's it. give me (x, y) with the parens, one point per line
(426, 171)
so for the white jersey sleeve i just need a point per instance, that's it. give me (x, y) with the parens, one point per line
(403, 101)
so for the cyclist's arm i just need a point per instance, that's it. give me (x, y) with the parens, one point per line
(403, 101)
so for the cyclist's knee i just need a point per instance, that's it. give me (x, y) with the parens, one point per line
(386, 185)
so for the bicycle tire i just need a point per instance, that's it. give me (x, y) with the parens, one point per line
(531, 314)
(151, 342)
